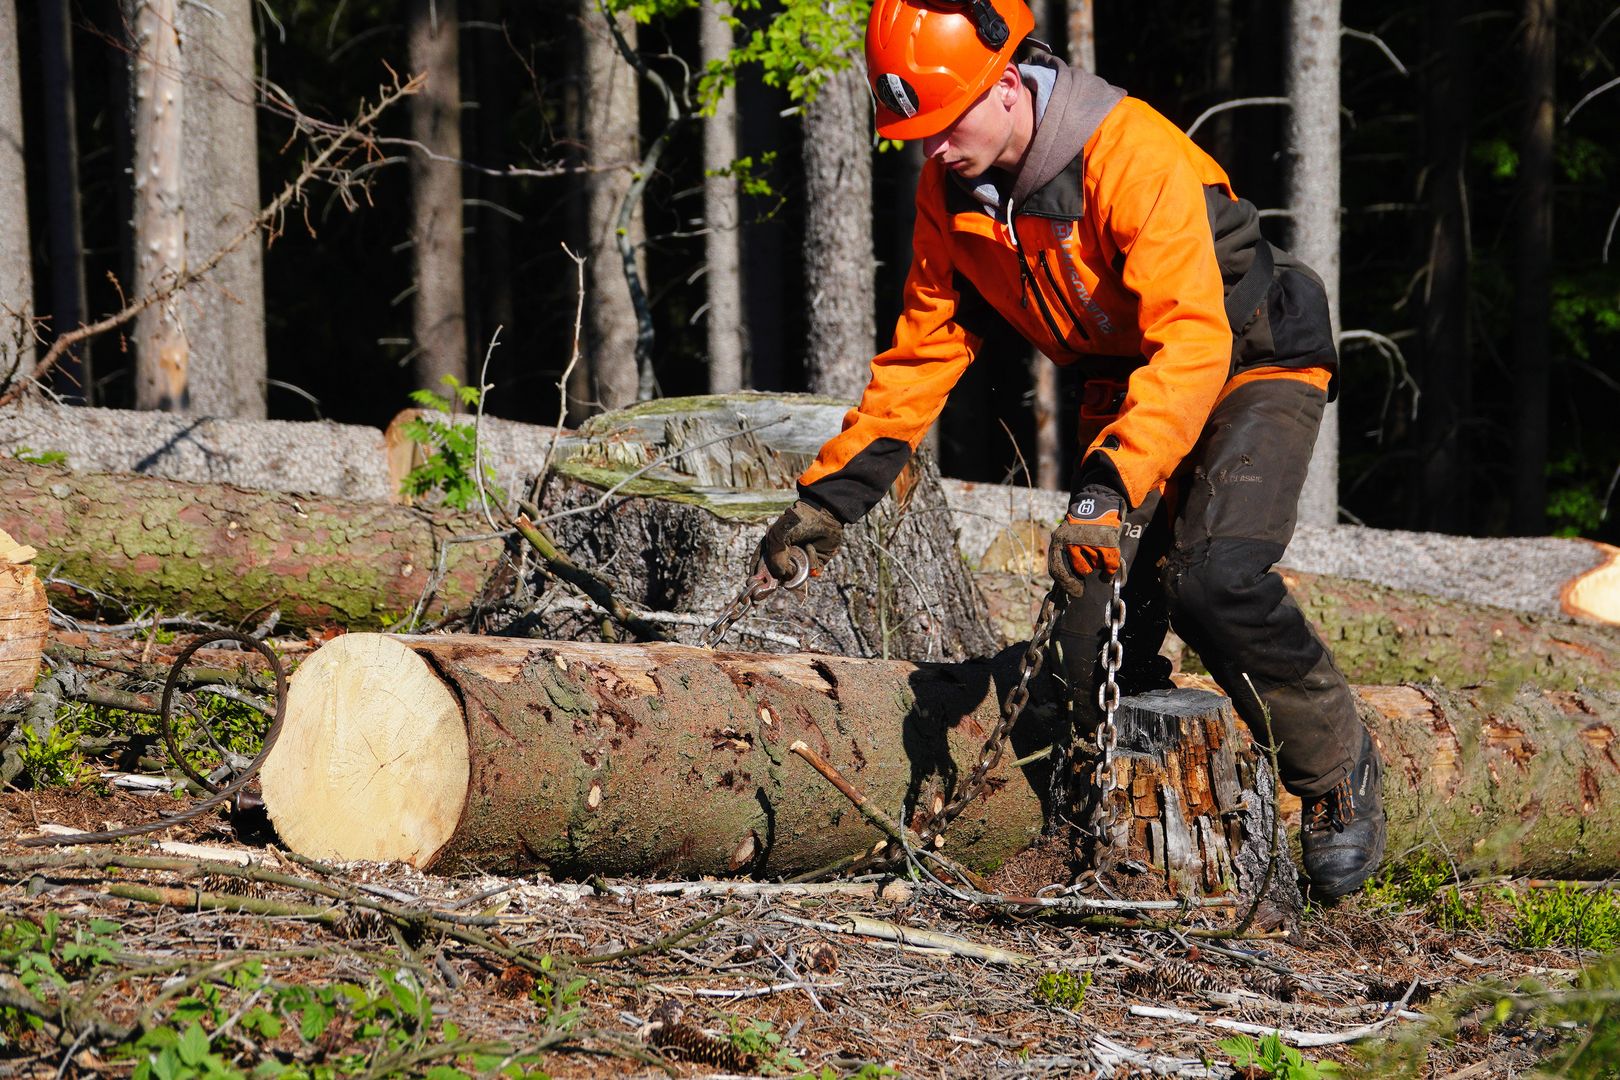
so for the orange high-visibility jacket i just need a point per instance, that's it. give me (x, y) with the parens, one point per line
(1122, 261)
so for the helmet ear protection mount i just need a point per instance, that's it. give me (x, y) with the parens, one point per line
(929, 60)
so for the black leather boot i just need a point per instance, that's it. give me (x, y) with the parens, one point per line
(1343, 833)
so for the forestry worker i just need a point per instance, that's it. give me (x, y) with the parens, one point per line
(1108, 239)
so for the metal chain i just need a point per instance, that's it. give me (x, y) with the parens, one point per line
(758, 588)
(1107, 734)
(1011, 709)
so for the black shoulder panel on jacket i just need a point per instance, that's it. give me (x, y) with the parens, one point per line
(853, 490)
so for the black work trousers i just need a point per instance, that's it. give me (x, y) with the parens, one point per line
(1205, 566)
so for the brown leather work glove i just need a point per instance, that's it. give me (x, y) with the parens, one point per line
(1088, 540)
(806, 526)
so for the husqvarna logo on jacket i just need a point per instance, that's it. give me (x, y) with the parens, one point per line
(1063, 233)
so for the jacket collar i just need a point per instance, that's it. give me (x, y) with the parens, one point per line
(1069, 104)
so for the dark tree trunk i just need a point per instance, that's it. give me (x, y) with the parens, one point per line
(1223, 86)
(64, 236)
(439, 317)
(1447, 379)
(838, 235)
(1532, 299)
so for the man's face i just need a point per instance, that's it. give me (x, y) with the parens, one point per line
(980, 138)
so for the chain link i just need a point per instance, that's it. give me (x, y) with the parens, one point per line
(758, 588)
(1011, 709)
(1107, 734)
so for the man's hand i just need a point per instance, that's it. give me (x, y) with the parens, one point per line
(1088, 540)
(806, 526)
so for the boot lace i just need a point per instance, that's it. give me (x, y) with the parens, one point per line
(1334, 809)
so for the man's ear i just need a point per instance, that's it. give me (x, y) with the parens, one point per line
(1009, 86)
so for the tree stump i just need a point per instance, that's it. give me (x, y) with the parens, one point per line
(695, 482)
(1194, 809)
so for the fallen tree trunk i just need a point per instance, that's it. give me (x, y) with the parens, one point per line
(231, 555)
(458, 752)
(1382, 636)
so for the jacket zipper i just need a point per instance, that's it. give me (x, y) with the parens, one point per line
(1063, 299)
(1031, 286)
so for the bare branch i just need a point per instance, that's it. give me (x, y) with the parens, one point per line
(1610, 85)
(1235, 103)
(1382, 47)
(353, 134)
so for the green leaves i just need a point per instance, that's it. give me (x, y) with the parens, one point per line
(452, 449)
(1270, 1057)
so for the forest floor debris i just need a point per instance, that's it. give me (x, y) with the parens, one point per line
(783, 982)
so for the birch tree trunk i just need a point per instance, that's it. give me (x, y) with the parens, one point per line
(722, 219)
(64, 236)
(1532, 295)
(162, 345)
(1313, 206)
(838, 255)
(16, 273)
(610, 124)
(439, 315)
(220, 163)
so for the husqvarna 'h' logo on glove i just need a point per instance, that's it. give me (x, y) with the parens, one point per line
(1085, 507)
(897, 95)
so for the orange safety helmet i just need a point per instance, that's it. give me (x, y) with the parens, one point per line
(928, 60)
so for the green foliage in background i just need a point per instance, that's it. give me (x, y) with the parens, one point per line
(452, 449)
(1565, 916)
(1271, 1058)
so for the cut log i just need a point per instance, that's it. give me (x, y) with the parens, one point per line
(459, 752)
(24, 622)
(1382, 636)
(228, 554)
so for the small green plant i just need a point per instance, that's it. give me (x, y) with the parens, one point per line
(1410, 883)
(1062, 990)
(30, 456)
(51, 759)
(758, 1039)
(559, 1002)
(1454, 912)
(452, 449)
(1567, 916)
(1271, 1058)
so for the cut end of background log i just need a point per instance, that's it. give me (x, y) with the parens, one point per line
(1596, 593)
(24, 621)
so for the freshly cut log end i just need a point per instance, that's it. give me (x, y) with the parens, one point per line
(372, 760)
(1596, 593)
(24, 621)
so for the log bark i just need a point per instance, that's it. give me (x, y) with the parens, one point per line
(454, 752)
(230, 554)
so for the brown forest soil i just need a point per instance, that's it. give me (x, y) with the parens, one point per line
(920, 1011)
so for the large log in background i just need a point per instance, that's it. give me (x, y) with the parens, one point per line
(224, 553)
